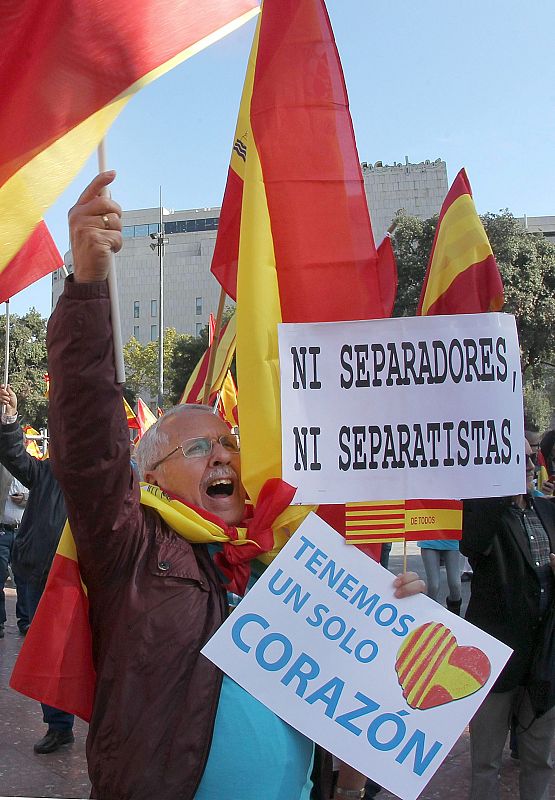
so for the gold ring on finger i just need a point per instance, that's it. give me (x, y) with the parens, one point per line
(105, 219)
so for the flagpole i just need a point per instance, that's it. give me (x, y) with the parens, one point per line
(214, 347)
(7, 344)
(113, 289)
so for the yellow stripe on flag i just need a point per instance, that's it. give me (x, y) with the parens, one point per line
(32, 189)
(258, 314)
(429, 519)
(461, 242)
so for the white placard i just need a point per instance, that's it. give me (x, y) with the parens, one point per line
(402, 408)
(318, 640)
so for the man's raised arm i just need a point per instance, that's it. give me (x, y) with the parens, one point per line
(89, 435)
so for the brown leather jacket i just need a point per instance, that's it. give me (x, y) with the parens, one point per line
(154, 599)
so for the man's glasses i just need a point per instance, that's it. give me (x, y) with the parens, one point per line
(202, 446)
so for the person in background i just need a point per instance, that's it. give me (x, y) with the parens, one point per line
(435, 552)
(510, 543)
(547, 455)
(36, 540)
(11, 518)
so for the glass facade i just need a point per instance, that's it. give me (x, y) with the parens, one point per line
(176, 226)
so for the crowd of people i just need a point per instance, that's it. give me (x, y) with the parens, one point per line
(165, 722)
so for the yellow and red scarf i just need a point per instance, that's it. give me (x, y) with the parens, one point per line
(55, 664)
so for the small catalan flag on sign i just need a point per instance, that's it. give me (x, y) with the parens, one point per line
(400, 520)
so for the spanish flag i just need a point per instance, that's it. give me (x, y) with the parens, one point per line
(132, 421)
(194, 390)
(145, 417)
(38, 257)
(68, 67)
(306, 250)
(462, 276)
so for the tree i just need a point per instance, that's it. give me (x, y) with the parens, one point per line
(187, 354)
(527, 265)
(141, 366)
(28, 365)
(412, 243)
(526, 262)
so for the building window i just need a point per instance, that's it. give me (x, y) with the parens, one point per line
(128, 231)
(199, 328)
(136, 309)
(154, 227)
(154, 308)
(198, 304)
(136, 331)
(153, 332)
(141, 230)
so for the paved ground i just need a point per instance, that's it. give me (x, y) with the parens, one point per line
(63, 774)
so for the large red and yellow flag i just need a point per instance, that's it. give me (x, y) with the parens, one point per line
(462, 276)
(83, 62)
(38, 257)
(194, 390)
(306, 249)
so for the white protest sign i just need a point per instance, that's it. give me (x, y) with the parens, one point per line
(386, 685)
(402, 408)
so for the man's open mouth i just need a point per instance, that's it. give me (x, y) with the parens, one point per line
(222, 487)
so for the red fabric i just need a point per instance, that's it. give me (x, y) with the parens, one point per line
(50, 668)
(482, 290)
(38, 257)
(475, 290)
(197, 391)
(325, 253)
(63, 60)
(234, 559)
(387, 275)
(226, 251)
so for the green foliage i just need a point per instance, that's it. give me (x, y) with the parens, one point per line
(27, 365)
(185, 357)
(141, 366)
(538, 405)
(412, 243)
(527, 266)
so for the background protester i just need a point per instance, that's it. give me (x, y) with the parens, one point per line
(14, 504)
(510, 544)
(36, 541)
(436, 552)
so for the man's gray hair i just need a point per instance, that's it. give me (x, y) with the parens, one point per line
(155, 441)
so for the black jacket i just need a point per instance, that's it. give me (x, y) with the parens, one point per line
(505, 590)
(45, 512)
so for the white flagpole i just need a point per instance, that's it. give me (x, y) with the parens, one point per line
(113, 289)
(7, 345)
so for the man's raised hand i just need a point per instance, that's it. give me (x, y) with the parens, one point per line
(95, 230)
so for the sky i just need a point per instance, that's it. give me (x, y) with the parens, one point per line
(472, 83)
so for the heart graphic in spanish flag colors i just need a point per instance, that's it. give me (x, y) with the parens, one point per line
(433, 670)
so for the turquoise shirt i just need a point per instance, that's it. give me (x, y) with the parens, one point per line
(254, 755)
